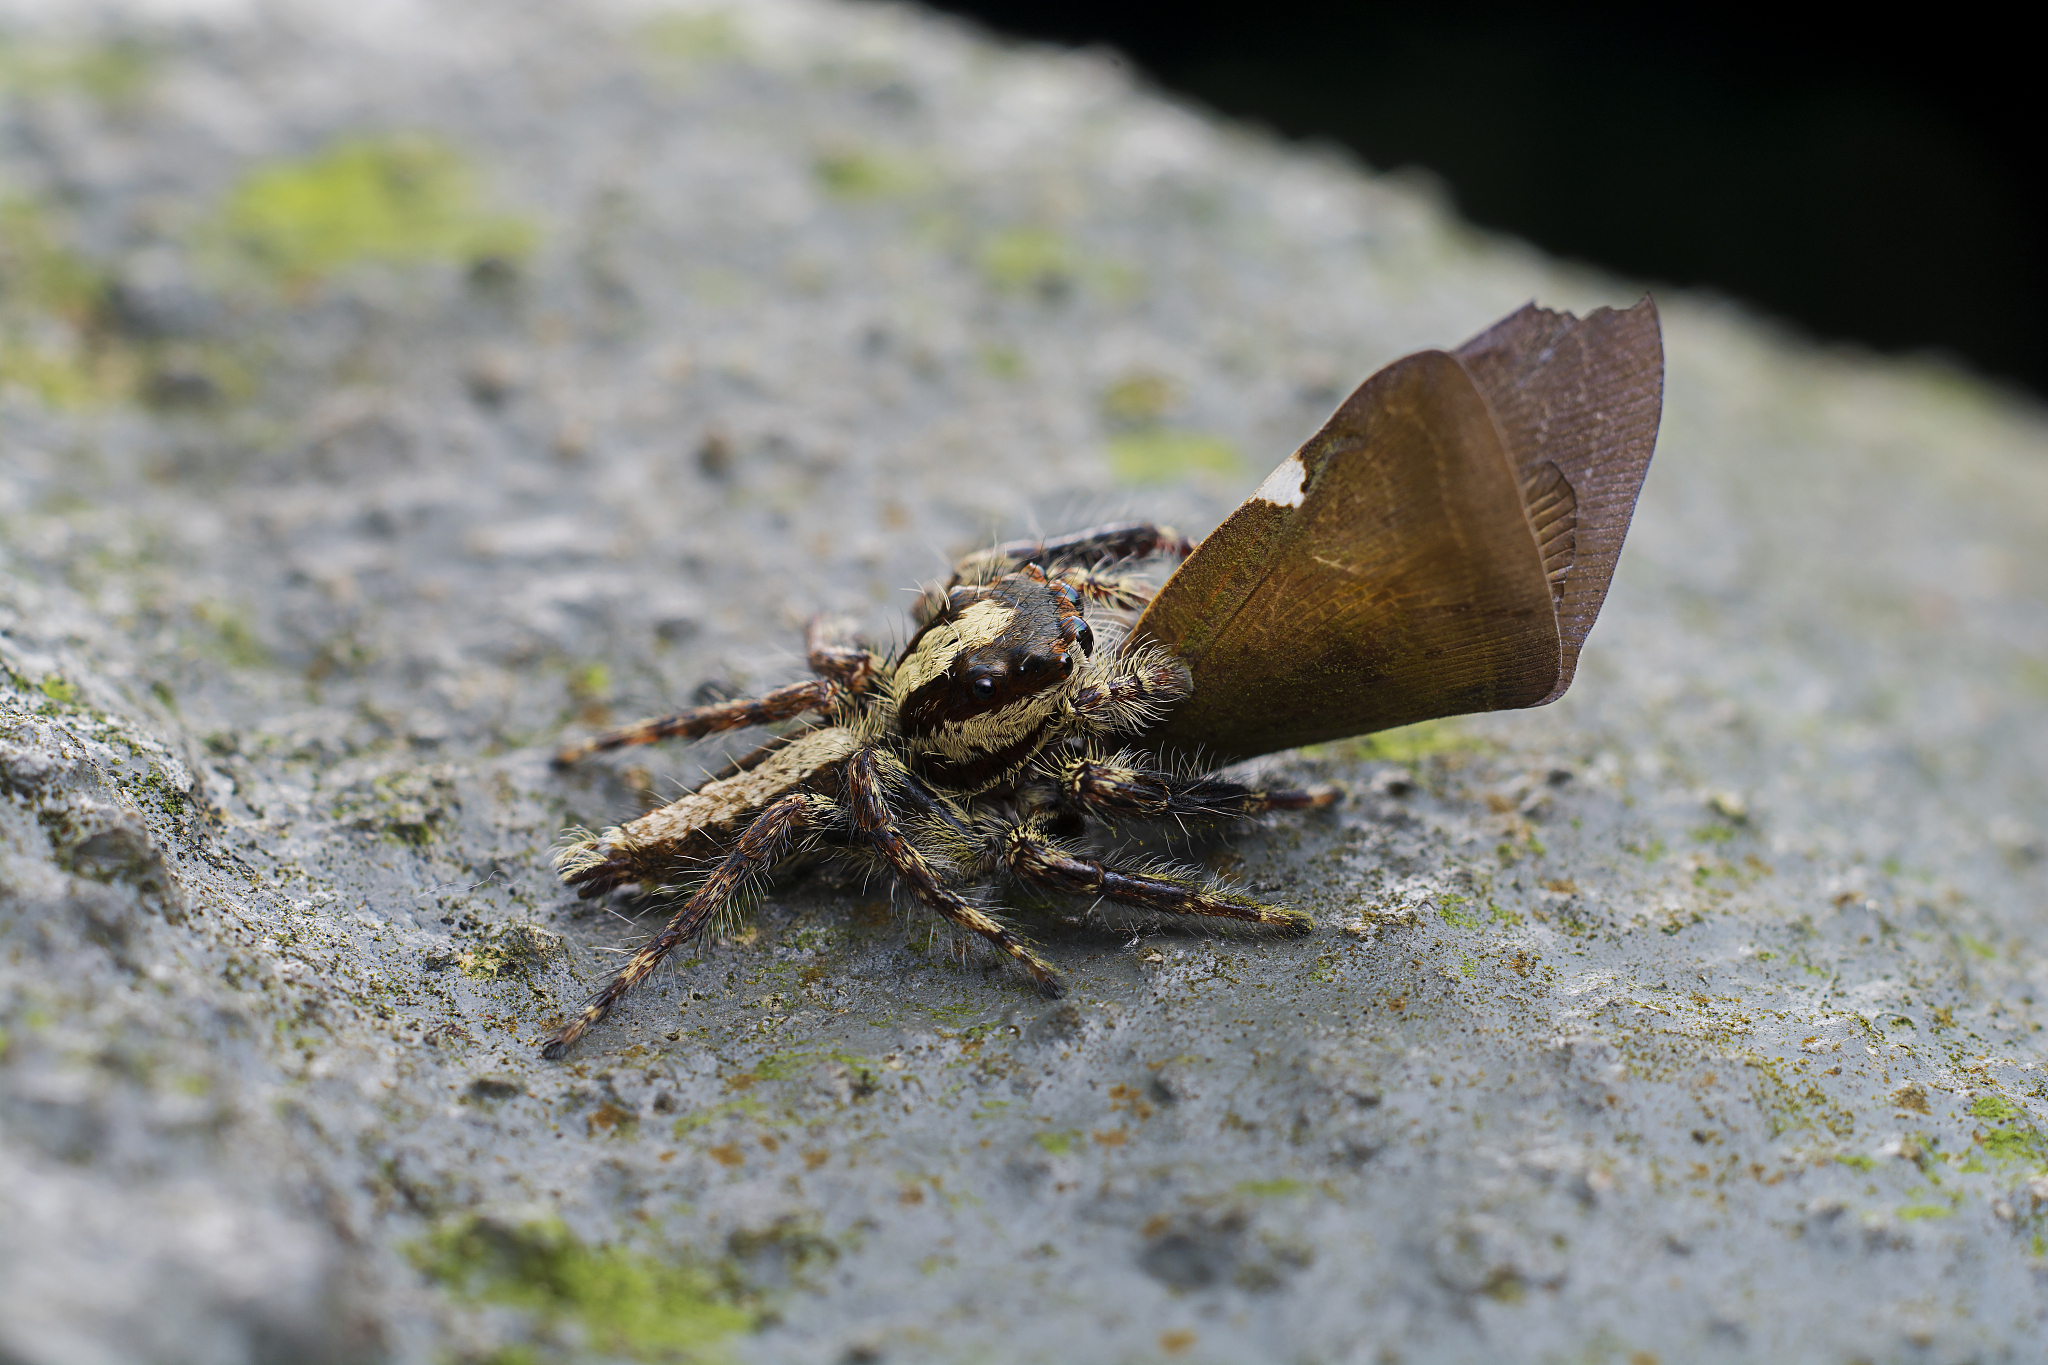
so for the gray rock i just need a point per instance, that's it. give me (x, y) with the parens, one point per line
(1695, 1017)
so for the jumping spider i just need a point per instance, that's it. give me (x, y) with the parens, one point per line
(978, 752)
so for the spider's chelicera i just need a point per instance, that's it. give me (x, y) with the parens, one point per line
(982, 751)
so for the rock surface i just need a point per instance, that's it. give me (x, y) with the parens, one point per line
(388, 391)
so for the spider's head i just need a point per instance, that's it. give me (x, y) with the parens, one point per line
(981, 682)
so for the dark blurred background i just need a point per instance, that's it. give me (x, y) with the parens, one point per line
(1867, 180)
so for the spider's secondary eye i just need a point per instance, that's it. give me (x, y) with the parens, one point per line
(1085, 637)
(982, 688)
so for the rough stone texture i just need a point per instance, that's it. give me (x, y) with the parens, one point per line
(1696, 1017)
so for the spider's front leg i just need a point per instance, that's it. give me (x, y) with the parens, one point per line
(1094, 548)
(1031, 854)
(767, 840)
(1128, 694)
(1118, 592)
(833, 651)
(1127, 785)
(784, 703)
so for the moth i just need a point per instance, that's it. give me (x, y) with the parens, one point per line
(1441, 546)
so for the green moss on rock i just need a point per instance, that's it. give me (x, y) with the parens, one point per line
(625, 1303)
(410, 807)
(508, 950)
(857, 175)
(398, 199)
(113, 73)
(51, 335)
(1996, 1108)
(2015, 1141)
(687, 39)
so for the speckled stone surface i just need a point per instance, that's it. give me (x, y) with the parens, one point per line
(1694, 1018)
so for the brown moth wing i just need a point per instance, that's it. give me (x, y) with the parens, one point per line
(1387, 572)
(1582, 396)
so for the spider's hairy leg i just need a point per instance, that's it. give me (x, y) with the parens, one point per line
(1129, 786)
(695, 829)
(784, 703)
(1120, 592)
(1035, 858)
(835, 652)
(869, 774)
(1091, 549)
(1131, 691)
(770, 837)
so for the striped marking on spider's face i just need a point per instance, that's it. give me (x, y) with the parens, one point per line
(979, 688)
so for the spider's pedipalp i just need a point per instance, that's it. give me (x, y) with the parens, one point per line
(1125, 694)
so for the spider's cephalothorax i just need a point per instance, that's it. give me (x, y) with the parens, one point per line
(991, 678)
(979, 752)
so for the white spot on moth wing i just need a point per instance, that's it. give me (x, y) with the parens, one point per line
(1283, 486)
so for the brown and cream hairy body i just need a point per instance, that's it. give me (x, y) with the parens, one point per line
(983, 751)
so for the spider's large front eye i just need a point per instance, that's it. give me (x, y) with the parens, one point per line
(1084, 635)
(982, 688)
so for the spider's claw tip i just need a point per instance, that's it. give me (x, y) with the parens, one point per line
(1051, 987)
(1296, 925)
(593, 868)
(555, 1050)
